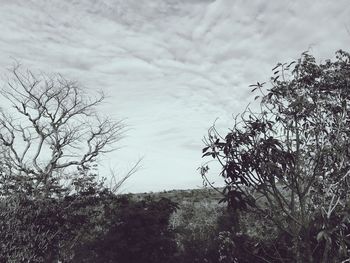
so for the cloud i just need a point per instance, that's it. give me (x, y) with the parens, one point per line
(170, 67)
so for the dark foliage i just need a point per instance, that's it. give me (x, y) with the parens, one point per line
(136, 231)
(290, 160)
(45, 230)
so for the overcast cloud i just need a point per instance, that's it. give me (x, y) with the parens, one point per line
(170, 67)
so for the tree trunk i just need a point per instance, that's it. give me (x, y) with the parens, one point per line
(308, 250)
(296, 249)
(326, 252)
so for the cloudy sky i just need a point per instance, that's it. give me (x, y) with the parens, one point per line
(169, 67)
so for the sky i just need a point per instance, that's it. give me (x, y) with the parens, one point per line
(169, 68)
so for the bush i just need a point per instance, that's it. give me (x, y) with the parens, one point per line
(30, 231)
(196, 229)
(135, 231)
(48, 229)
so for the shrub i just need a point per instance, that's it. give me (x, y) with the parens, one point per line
(135, 231)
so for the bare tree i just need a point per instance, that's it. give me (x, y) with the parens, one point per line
(51, 129)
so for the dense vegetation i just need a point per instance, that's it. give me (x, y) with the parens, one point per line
(285, 164)
(289, 161)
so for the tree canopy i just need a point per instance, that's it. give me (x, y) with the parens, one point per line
(289, 158)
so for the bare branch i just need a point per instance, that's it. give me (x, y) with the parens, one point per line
(56, 127)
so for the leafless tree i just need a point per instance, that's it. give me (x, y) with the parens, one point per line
(50, 129)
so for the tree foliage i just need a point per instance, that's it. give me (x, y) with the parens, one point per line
(290, 159)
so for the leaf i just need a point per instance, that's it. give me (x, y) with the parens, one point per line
(223, 200)
(205, 149)
(261, 84)
(206, 154)
(291, 64)
(320, 235)
(225, 191)
(279, 64)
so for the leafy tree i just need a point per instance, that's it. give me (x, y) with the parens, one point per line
(290, 160)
